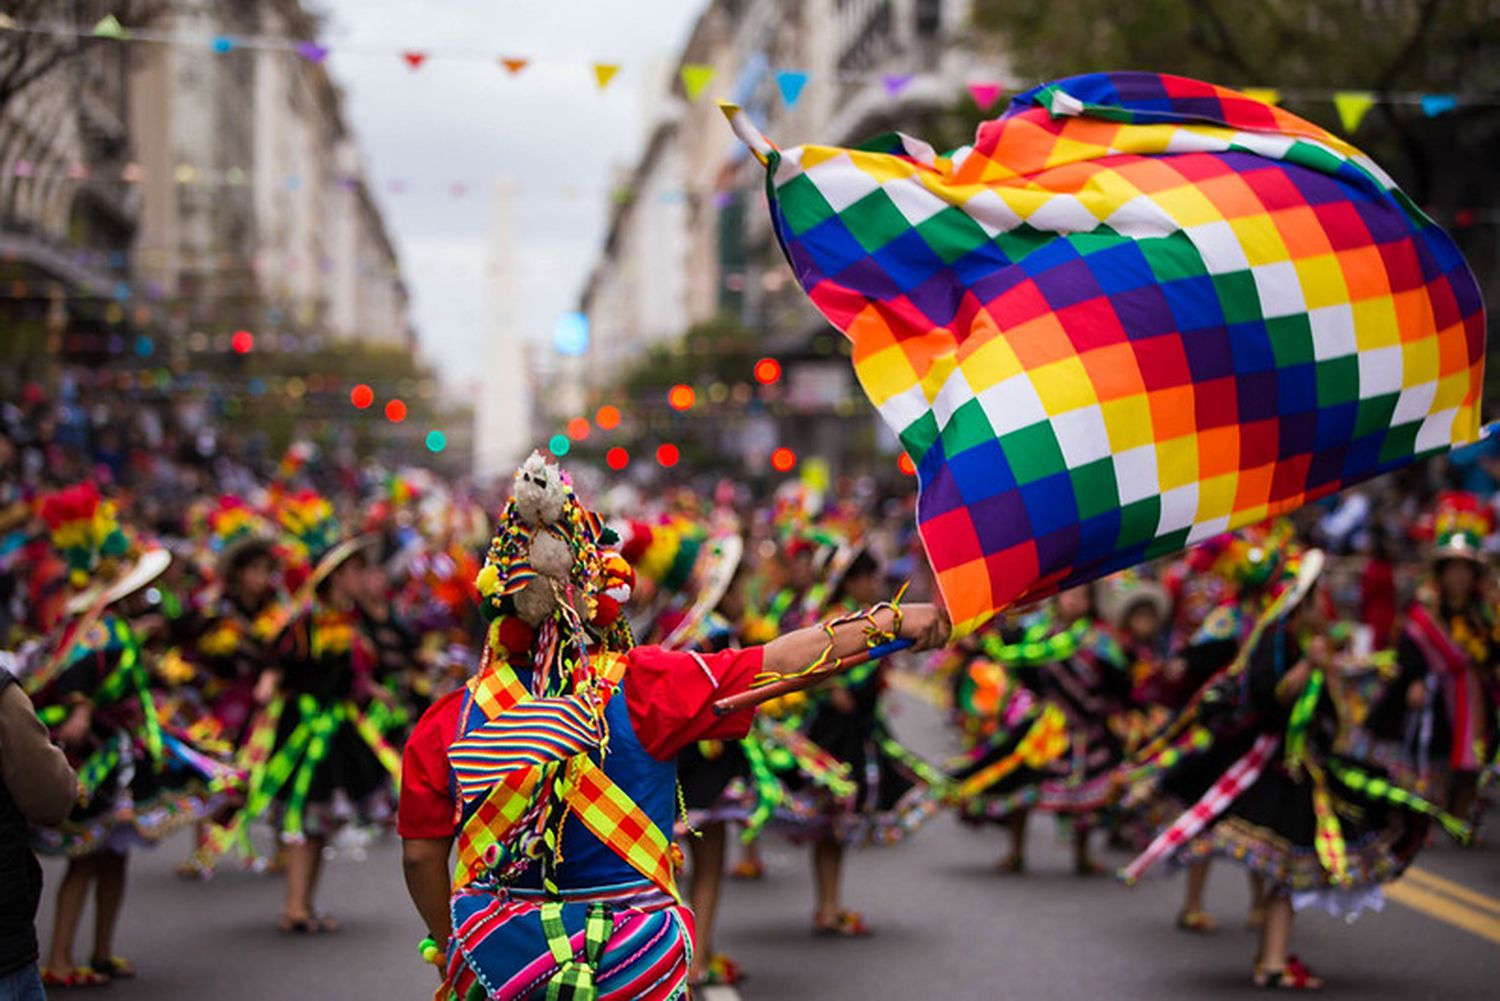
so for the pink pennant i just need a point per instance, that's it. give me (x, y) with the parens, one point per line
(414, 59)
(986, 93)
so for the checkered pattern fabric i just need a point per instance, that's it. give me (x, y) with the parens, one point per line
(493, 823)
(519, 746)
(1139, 311)
(1240, 776)
(614, 818)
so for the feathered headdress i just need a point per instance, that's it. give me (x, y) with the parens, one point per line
(103, 562)
(232, 521)
(1460, 524)
(85, 532)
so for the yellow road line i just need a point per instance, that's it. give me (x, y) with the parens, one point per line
(1443, 909)
(1432, 881)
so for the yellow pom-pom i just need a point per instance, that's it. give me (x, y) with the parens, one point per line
(488, 581)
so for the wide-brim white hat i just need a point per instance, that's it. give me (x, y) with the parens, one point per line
(150, 565)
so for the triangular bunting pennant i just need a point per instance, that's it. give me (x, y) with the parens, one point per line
(312, 52)
(604, 73)
(895, 83)
(986, 93)
(513, 66)
(414, 59)
(791, 83)
(222, 44)
(695, 79)
(1438, 104)
(109, 26)
(1265, 95)
(1352, 106)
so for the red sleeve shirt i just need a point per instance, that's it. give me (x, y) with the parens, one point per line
(669, 694)
(426, 807)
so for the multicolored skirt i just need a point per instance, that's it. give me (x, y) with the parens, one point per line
(133, 800)
(885, 793)
(327, 766)
(1044, 764)
(501, 943)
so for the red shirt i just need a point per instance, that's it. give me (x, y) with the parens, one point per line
(670, 696)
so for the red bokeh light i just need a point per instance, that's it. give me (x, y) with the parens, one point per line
(608, 417)
(243, 342)
(395, 411)
(578, 428)
(362, 396)
(667, 455)
(681, 397)
(617, 458)
(906, 465)
(767, 371)
(783, 459)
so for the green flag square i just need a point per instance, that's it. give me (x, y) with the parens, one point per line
(874, 220)
(1094, 488)
(802, 204)
(1033, 453)
(1291, 339)
(952, 233)
(1138, 521)
(966, 428)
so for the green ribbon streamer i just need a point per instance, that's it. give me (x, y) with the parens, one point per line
(939, 782)
(1302, 714)
(1382, 790)
(1035, 651)
(768, 790)
(98, 765)
(320, 737)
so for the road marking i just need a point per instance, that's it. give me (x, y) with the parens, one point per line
(1432, 881)
(1440, 907)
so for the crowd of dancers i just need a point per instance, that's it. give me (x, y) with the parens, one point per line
(238, 665)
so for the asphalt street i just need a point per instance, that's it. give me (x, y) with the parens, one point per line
(946, 926)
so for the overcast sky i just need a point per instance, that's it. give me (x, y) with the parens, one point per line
(465, 120)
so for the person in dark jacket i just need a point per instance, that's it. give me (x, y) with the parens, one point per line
(37, 786)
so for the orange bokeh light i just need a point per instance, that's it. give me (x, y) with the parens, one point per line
(578, 428)
(783, 459)
(767, 371)
(906, 465)
(395, 411)
(667, 455)
(608, 418)
(362, 396)
(681, 397)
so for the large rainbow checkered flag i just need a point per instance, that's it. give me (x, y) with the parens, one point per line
(1138, 312)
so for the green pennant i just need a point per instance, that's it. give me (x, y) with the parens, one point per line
(109, 26)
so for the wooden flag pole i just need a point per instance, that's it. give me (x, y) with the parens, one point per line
(797, 682)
